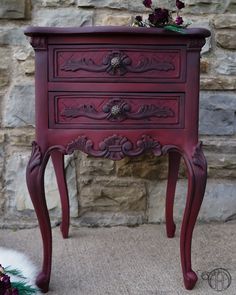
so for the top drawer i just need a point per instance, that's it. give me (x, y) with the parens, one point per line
(117, 63)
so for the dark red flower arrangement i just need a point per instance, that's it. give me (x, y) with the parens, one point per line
(14, 288)
(5, 284)
(162, 17)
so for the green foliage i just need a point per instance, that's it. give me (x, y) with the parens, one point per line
(175, 29)
(23, 288)
(14, 272)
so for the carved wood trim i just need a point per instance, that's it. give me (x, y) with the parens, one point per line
(119, 63)
(118, 110)
(198, 156)
(36, 157)
(38, 42)
(115, 147)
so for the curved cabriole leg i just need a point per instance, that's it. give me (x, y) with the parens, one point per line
(35, 182)
(174, 161)
(58, 163)
(197, 175)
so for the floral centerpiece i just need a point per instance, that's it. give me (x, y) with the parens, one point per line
(14, 288)
(162, 17)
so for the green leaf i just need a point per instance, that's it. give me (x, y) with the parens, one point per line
(175, 29)
(15, 272)
(23, 288)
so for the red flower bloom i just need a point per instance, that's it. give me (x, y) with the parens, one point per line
(180, 4)
(147, 3)
(139, 18)
(159, 17)
(179, 20)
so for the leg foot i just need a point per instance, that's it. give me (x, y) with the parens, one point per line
(174, 162)
(171, 230)
(190, 279)
(42, 282)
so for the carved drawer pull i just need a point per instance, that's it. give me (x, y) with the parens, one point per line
(115, 110)
(115, 62)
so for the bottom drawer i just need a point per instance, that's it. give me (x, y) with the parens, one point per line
(116, 111)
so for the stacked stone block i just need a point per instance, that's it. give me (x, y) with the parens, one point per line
(131, 191)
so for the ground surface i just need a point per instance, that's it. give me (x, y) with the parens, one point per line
(129, 261)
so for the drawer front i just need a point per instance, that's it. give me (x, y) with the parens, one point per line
(116, 111)
(117, 63)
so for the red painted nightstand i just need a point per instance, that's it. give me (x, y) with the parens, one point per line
(114, 92)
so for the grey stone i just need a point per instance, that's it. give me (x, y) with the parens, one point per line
(225, 21)
(16, 190)
(220, 153)
(57, 3)
(1, 107)
(23, 53)
(109, 19)
(205, 6)
(2, 199)
(71, 180)
(226, 39)
(217, 113)
(226, 63)
(19, 106)
(12, 36)
(139, 7)
(114, 4)
(206, 25)
(218, 204)
(63, 17)
(111, 195)
(93, 219)
(218, 83)
(4, 77)
(18, 200)
(219, 201)
(219, 144)
(231, 6)
(204, 66)
(4, 66)
(13, 9)
(147, 166)
(2, 154)
(91, 166)
(28, 67)
(221, 165)
(19, 137)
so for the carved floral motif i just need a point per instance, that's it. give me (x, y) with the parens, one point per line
(38, 42)
(115, 147)
(119, 63)
(198, 156)
(36, 157)
(118, 110)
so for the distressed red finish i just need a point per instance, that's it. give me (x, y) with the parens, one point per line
(127, 110)
(114, 92)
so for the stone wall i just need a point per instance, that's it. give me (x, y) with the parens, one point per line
(133, 190)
